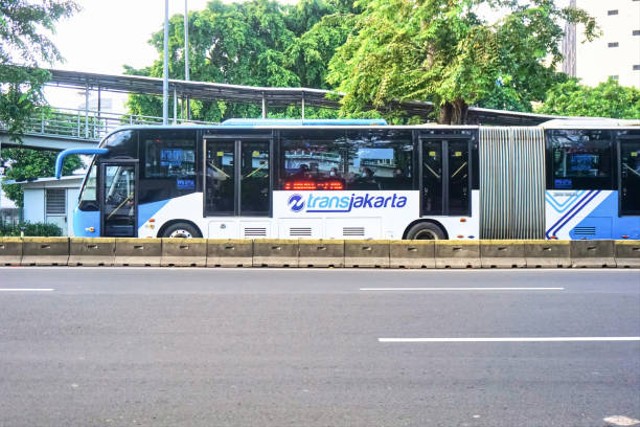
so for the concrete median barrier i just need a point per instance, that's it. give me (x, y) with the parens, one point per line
(321, 253)
(45, 251)
(275, 253)
(229, 253)
(457, 254)
(62, 251)
(184, 252)
(627, 253)
(10, 251)
(132, 252)
(92, 252)
(548, 253)
(592, 254)
(502, 254)
(412, 254)
(366, 253)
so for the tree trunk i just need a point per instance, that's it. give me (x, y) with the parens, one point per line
(445, 113)
(454, 112)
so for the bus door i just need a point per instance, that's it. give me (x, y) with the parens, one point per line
(445, 177)
(118, 198)
(238, 178)
(630, 176)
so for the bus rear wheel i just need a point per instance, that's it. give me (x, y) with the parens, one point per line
(181, 230)
(425, 231)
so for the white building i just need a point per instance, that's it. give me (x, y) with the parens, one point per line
(52, 201)
(9, 213)
(616, 53)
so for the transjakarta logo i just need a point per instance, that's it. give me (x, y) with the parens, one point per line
(313, 203)
(296, 202)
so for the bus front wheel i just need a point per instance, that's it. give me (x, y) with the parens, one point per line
(425, 231)
(181, 230)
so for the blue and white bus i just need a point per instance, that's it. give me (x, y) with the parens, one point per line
(358, 179)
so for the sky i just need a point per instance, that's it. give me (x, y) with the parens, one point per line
(106, 35)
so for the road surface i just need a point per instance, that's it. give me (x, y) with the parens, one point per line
(326, 347)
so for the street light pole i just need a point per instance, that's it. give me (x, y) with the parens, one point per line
(186, 40)
(186, 54)
(165, 72)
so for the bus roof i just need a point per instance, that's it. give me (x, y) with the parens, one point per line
(303, 122)
(589, 122)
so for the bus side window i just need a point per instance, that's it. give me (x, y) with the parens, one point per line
(169, 165)
(630, 175)
(380, 159)
(254, 168)
(432, 195)
(581, 160)
(312, 160)
(220, 178)
(88, 200)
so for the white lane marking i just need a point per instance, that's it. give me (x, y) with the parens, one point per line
(25, 290)
(621, 420)
(506, 339)
(457, 289)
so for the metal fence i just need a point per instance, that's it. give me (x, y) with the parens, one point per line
(86, 124)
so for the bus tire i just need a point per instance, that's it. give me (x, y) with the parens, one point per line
(425, 231)
(181, 230)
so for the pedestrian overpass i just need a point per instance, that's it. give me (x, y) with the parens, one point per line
(59, 129)
(66, 128)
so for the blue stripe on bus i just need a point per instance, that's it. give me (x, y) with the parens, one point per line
(580, 204)
(147, 210)
(83, 221)
(584, 203)
(575, 206)
(604, 222)
(553, 230)
(559, 206)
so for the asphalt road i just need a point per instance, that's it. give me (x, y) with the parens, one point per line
(272, 347)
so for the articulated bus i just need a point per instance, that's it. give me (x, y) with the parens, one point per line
(359, 179)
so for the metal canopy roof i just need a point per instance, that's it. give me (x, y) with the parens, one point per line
(194, 90)
(271, 96)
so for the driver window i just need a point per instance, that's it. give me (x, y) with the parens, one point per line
(120, 186)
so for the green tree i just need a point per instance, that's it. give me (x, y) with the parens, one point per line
(29, 164)
(608, 99)
(308, 55)
(255, 43)
(235, 43)
(25, 27)
(443, 51)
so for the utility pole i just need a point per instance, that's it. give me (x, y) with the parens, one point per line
(186, 40)
(186, 54)
(569, 46)
(165, 72)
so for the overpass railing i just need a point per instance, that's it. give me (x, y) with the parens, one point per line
(86, 124)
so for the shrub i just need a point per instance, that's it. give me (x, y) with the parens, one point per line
(30, 229)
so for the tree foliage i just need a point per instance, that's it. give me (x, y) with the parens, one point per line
(255, 43)
(608, 99)
(376, 52)
(29, 164)
(20, 97)
(25, 27)
(309, 55)
(445, 52)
